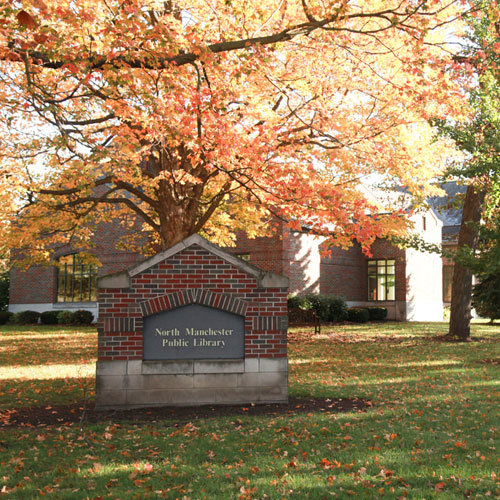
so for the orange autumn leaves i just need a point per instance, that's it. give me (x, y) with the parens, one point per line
(218, 116)
(26, 20)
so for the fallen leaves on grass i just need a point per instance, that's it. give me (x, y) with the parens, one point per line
(431, 429)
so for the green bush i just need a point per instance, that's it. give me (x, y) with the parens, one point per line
(82, 317)
(79, 317)
(5, 316)
(65, 317)
(320, 305)
(25, 318)
(377, 313)
(486, 297)
(327, 307)
(359, 314)
(49, 317)
(338, 308)
(297, 302)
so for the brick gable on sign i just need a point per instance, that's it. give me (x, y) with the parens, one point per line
(192, 273)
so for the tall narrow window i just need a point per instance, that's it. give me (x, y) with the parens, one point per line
(447, 281)
(76, 281)
(382, 279)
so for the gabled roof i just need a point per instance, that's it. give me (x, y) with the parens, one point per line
(386, 200)
(449, 207)
(264, 279)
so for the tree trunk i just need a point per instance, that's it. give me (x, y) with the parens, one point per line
(461, 292)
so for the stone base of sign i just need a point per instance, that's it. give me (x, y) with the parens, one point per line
(136, 383)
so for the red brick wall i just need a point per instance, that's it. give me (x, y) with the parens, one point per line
(192, 275)
(265, 252)
(114, 259)
(290, 253)
(36, 285)
(344, 273)
(296, 254)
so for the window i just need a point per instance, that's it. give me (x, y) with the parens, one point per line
(76, 281)
(243, 256)
(447, 280)
(382, 279)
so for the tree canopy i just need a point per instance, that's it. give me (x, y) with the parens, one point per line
(217, 115)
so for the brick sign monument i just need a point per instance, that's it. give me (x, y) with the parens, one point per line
(192, 325)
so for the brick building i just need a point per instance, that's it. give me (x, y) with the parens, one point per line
(71, 285)
(407, 282)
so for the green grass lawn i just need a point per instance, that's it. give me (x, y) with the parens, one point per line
(433, 430)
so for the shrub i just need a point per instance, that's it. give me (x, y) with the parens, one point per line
(338, 308)
(320, 305)
(486, 297)
(26, 317)
(358, 314)
(83, 317)
(377, 313)
(297, 316)
(327, 307)
(65, 317)
(5, 317)
(49, 317)
(296, 302)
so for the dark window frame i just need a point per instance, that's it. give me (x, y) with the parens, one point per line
(381, 273)
(76, 280)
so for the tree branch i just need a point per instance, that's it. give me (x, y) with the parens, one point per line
(62, 192)
(216, 201)
(115, 201)
(302, 29)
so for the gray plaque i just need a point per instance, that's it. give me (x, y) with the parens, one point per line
(194, 332)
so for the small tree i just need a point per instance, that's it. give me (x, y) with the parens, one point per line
(486, 297)
(486, 264)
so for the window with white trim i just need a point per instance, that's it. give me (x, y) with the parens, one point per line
(382, 279)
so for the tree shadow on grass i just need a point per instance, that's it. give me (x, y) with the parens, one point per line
(71, 413)
(53, 350)
(369, 455)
